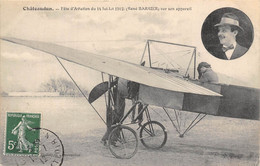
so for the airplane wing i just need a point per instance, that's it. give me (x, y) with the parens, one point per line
(151, 82)
(119, 68)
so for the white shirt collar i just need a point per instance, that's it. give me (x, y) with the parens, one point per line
(230, 51)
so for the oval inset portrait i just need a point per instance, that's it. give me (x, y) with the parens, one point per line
(227, 33)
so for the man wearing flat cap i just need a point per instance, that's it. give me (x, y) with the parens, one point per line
(206, 74)
(228, 29)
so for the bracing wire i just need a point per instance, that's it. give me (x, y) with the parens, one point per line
(102, 75)
(168, 59)
(80, 89)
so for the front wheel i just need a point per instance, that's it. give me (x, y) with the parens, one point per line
(123, 142)
(153, 135)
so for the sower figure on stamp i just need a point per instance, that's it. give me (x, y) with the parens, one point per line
(23, 143)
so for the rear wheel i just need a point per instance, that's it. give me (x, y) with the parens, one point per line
(153, 135)
(123, 142)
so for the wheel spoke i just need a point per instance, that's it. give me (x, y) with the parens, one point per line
(123, 142)
(149, 132)
(153, 135)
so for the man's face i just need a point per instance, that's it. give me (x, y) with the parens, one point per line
(226, 36)
(203, 69)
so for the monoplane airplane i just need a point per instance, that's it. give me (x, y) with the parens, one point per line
(150, 86)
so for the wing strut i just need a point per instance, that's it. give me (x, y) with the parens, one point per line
(80, 89)
(193, 123)
(193, 54)
(196, 120)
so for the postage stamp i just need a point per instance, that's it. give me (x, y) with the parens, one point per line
(21, 138)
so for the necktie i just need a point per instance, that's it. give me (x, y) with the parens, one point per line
(228, 48)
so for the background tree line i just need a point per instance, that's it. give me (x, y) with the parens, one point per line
(63, 86)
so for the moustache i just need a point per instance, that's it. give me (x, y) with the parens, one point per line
(221, 36)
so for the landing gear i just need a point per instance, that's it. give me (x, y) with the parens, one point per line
(123, 142)
(153, 135)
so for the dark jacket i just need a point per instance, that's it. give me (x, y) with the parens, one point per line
(209, 76)
(219, 53)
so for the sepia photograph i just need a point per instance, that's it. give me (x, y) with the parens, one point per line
(227, 39)
(130, 82)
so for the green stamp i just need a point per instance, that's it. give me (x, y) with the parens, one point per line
(21, 138)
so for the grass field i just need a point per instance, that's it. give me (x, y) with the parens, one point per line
(215, 141)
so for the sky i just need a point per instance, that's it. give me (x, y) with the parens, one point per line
(117, 34)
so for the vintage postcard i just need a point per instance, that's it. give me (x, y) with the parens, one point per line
(129, 82)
